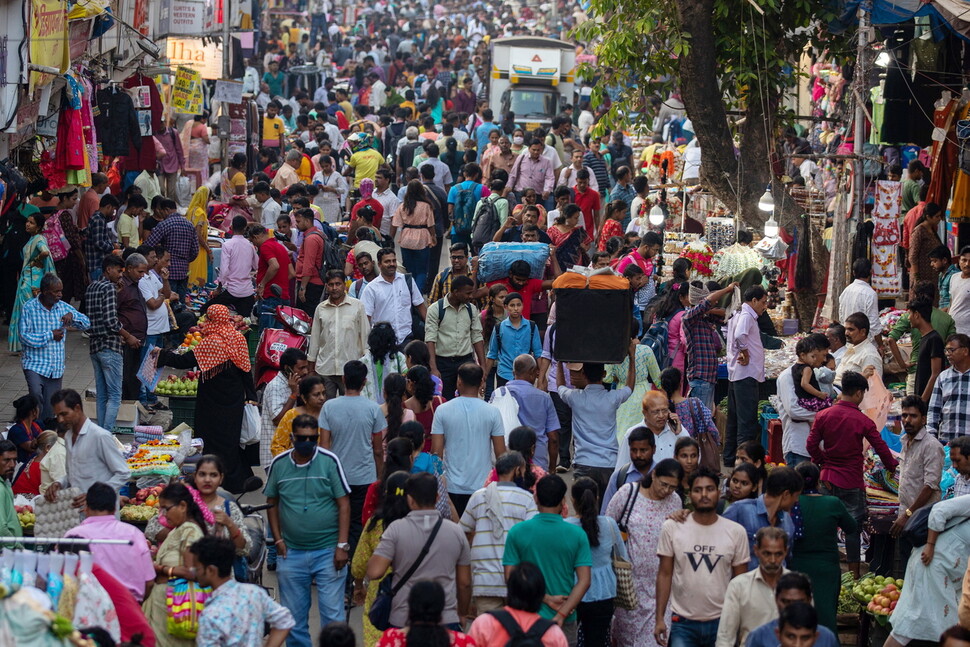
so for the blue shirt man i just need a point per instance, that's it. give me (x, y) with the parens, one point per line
(536, 410)
(481, 133)
(773, 508)
(509, 341)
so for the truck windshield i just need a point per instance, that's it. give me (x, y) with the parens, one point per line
(532, 103)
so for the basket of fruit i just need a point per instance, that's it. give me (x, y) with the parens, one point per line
(138, 515)
(25, 513)
(181, 392)
(879, 594)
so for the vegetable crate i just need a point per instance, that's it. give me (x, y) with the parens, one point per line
(183, 410)
(252, 341)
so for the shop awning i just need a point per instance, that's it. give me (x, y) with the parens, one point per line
(953, 14)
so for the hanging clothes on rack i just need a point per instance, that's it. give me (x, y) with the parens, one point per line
(960, 203)
(886, 238)
(116, 122)
(943, 157)
(142, 157)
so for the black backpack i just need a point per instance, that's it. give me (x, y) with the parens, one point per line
(486, 222)
(332, 259)
(407, 154)
(392, 136)
(517, 637)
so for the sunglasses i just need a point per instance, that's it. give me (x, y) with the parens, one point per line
(302, 438)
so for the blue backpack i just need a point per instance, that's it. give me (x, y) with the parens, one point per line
(464, 212)
(656, 340)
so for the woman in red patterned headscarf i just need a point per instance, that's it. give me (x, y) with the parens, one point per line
(225, 386)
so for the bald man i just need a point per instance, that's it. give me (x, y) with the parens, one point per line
(536, 410)
(656, 418)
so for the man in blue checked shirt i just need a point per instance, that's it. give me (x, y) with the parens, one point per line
(43, 328)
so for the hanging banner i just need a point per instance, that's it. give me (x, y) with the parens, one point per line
(191, 52)
(181, 18)
(48, 39)
(187, 91)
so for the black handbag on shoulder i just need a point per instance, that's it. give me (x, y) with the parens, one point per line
(380, 610)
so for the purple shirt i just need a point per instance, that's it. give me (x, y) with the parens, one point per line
(537, 411)
(130, 565)
(174, 157)
(547, 354)
(239, 261)
(744, 334)
(532, 174)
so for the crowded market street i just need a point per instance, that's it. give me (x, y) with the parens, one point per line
(400, 323)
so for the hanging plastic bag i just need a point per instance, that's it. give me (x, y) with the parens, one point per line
(877, 401)
(249, 434)
(183, 192)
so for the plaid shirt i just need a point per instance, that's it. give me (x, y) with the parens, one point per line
(702, 343)
(41, 353)
(178, 236)
(949, 413)
(102, 302)
(442, 286)
(100, 241)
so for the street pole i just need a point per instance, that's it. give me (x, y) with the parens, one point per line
(860, 112)
(226, 41)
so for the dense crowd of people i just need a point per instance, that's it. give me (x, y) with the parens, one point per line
(426, 456)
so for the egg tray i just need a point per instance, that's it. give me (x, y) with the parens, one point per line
(55, 518)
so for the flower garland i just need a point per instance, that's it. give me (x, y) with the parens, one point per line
(701, 256)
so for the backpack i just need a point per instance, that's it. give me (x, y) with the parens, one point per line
(332, 259)
(656, 340)
(56, 240)
(417, 323)
(464, 213)
(486, 221)
(442, 312)
(517, 637)
(391, 138)
(406, 158)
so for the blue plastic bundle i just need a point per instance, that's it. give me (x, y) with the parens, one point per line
(495, 258)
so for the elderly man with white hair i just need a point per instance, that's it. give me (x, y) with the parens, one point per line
(286, 175)
(536, 410)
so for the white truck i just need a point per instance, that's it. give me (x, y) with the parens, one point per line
(533, 77)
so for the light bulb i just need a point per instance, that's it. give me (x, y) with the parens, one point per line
(884, 59)
(656, 217)
(767, 201)
(771, 228)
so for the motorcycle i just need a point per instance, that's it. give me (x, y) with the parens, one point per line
(273, 342)
(255, 525)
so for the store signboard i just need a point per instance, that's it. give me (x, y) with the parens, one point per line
(181, 18)
(79, 33)
(191, 52)
(48, 39)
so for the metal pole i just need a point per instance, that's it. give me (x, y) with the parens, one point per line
(860, 115)
(226, 41)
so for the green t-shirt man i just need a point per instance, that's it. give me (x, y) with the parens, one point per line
(530, 541)
(941, 322)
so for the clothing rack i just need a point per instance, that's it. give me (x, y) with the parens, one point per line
(67, 541)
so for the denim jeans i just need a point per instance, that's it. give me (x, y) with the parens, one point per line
(693, 633)
(297, 573)
(705, 391)
(267, 313)
(108, 369)
(180, 286)
(792, 459)
(742, 424)
(416, 261)
(146, 397)
(42, 388)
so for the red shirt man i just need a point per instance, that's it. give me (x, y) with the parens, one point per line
(588, 201)
(273, 255)
(378, 210)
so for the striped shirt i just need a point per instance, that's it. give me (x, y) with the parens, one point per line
(488, 545)
(949, 410)
(42, 354)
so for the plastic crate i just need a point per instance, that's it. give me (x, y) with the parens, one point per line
(183, 410)
(252, 341)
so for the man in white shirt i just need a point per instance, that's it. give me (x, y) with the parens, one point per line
(859, 296)
(385, 195)
(377, 94)
(250, 78)
(156, 291)
(338, 335)
(836, 336)
(442, 174)
(862, 354)
(796, 421)
(390, 296)
(567, 177)
(749, 601)
(656, 418)
(586, 119)
(269, 207)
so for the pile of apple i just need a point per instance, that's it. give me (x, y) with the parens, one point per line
(879, 594)
(185, 387)
(25, 513)
(148, 496)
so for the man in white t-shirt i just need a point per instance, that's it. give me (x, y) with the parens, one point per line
(698, 558)
(156, 291)
(960, 294)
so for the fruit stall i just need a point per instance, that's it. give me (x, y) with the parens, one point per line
(27, 518)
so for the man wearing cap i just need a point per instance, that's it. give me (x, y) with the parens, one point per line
(703, 341)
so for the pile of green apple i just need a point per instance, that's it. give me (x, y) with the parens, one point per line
(879, 594)
(184, 387)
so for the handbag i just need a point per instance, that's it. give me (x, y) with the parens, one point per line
(710, 453)
(916, 531)
(184, 602)
(626, 594)
(380, 610)
(250, 430)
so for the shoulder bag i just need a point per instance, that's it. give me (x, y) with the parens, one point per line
(626, 592)
(380, 610)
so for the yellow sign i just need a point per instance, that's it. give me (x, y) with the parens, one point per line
(48, 39)
(187, 91)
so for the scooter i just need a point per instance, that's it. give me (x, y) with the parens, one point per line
(255, 525)
(274, 341)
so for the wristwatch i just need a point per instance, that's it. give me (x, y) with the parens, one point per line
(344, 546)
(909, 513)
